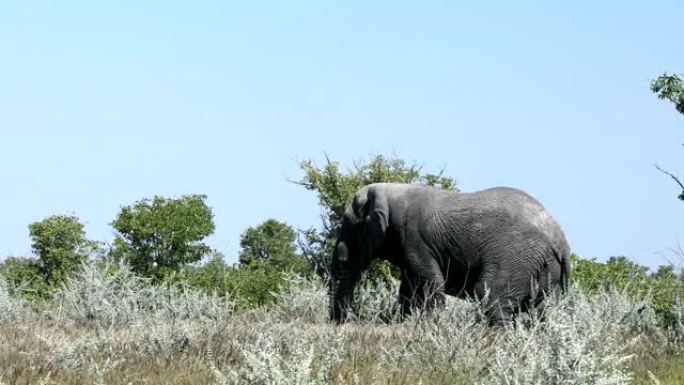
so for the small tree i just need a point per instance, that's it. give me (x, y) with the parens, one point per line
(267, 251)
(335, 190)
(60, 243)
(161, 235)
(271, 243)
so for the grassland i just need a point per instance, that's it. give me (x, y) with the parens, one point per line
(108, 326)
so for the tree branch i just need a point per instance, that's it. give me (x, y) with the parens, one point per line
(681, 196)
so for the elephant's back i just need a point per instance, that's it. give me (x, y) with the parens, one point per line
(500, 209)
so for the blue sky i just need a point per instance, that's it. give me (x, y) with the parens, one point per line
(105, 104)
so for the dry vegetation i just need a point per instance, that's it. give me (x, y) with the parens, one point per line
(108, 326)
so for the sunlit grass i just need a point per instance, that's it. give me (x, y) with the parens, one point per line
(109, 327)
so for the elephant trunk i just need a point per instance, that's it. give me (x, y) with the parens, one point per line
(344, 276)
(341, 297)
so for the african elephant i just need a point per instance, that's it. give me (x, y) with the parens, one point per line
(500, 242)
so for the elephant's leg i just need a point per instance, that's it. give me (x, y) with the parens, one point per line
(432, 293)
(499, 301)
(422, 286)
(502, 311)
(540, 310)
(406, 296)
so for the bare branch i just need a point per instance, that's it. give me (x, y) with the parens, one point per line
(681, 196)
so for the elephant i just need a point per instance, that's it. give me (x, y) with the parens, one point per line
(500, 245)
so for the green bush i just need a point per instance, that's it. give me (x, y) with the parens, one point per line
(254, 286)
(250, 286)
(664, 287)
(23, 276)
(209, 277)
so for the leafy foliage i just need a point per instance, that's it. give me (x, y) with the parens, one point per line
(254, 286)
(159, 236)
(670, 87)
(268, 252)
(213, 276)
(250, 287)
(335, 190)
(24, 275)
(664, 287)
(60, 243)
(271, 243)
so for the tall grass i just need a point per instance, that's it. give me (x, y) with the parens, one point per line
(109, 326)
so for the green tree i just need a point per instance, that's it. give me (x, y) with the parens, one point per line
(159, 236)
(670, 87)
(665, 272)
(60, 243)
(266, 252)
(212, 276)
(335, 190)
(271, 243)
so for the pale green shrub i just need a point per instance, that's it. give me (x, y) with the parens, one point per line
(583, 341)
(306, 299)
(110, 294)
(678, 324)
(88, 351)
(108, 315)
(377, 301)
(162, 339)
(101, 294)
(303, 299)
(454, 340)
(287, 356)
(13, 308)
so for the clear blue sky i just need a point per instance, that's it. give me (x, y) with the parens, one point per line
(104, 104)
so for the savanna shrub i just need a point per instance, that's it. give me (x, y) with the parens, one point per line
(13, 308)
(664, 287)
(584, 340)
(24, 276)
(111, 294)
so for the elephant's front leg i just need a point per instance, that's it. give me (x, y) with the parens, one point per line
(420, 292)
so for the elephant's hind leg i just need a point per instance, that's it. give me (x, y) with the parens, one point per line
(501, 300)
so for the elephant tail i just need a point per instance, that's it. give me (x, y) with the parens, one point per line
(564, 259)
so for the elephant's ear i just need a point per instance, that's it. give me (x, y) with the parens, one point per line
(375, 213)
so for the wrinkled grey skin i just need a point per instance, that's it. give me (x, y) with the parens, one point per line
(499, 240)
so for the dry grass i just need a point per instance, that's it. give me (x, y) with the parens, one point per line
(179, 337)
(31, 353)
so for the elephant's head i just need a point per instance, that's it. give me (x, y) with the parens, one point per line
(362, 234)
